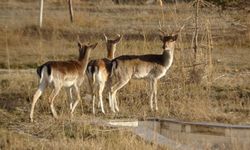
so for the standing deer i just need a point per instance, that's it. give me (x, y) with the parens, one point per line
(99, 70)
(60, 74)
(151, 67)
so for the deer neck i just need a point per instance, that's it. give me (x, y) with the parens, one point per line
(167, 57)
(111, 51)
(84, 60)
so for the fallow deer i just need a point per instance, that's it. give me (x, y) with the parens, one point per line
(99, 70)
(151, 67)
(60, 74)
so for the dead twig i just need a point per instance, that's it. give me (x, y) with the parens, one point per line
(193, 65)
(230, 74)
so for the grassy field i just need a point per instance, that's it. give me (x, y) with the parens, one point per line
(218, 91)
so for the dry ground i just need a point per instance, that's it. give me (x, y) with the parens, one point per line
(221, 96)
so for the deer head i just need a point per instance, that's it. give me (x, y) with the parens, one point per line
(169, 39)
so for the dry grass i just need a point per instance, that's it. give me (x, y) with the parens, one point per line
(222, 96)
(65, 134)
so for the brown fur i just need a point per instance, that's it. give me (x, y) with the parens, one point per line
(69, 74)
(151, 66)
(99, 70)
(65, 67)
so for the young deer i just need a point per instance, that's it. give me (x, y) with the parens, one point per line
(151, 67)
(60, 74)
(99, 70)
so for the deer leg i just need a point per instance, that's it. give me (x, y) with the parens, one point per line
(78, 99)
(108, 84)
(110, 105)
(99, 102)
(155, 93)
(114, 89)
(53, 94)
(116, 105)
(93, 105)
(93, 99)
(90, 85)
(151, 93)
(36, 96)
(112, 96)
(93, 92)
(101, 88)
(70, 97)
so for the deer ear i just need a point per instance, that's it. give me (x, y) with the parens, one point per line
(79, 45)
(93, 46)
(105, 37)
(174, 38)
(118, 39)
(161, 37)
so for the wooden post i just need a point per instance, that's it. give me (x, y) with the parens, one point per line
(41, 14)
(7, 48)
(71, 11)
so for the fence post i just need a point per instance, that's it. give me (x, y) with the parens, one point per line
(41, 14)
(7, 48)
(71, 11)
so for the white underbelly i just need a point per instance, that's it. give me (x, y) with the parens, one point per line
(69, 80)
(69, 83)
(141, 74)
(155, 73)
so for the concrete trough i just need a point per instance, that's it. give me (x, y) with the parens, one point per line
(189, 135)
